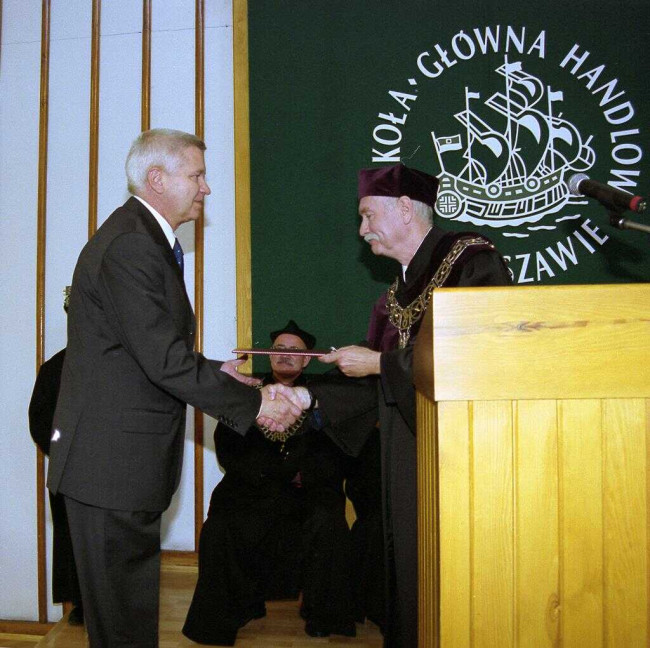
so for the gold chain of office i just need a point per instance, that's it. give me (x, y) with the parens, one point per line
(285, 434)
(403, 318)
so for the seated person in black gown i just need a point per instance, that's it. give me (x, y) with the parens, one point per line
(65, 582)
(276, 524)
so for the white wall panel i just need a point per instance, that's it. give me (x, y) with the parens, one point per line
(19, 89)
(173, 16)
(119, 115)
(220, 332)
(172, 105)
(121, 18)
(218, 13)
(68, 150)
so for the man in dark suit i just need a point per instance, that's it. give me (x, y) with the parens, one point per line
(130, 368)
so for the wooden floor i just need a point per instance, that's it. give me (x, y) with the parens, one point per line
(281, 628)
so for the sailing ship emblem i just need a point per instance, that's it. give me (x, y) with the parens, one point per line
(498, 185)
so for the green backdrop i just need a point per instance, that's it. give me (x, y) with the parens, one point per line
(519, 99)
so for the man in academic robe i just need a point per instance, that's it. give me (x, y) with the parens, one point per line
(396, 208)
(276, 524)
(129, 371)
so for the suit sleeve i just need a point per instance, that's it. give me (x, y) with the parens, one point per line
(147, 310)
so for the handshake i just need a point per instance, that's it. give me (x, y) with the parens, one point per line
(281, 405)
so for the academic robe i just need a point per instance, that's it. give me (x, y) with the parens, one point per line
(65, 582)
(363, 489)
(394, 403)
(276, 526)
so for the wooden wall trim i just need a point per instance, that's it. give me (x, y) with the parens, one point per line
(94, 118)
(172, 558)
(145, 110)
(242, 176)
(41, 220)
(25, 627)
(199, 245)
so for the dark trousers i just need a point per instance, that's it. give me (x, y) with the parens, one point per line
(117, 554)
(65, 582)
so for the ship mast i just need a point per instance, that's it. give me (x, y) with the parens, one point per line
(469, 140)
(551, 148)
(509, 179)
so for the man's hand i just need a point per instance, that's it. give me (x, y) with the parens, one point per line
(303, 395)
(354, 361)
(281, 406)
(230, 367)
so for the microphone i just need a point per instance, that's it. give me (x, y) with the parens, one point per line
(613, 199)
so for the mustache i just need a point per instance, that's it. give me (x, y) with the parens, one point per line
(370, 237)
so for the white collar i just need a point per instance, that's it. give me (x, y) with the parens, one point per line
(164, 225)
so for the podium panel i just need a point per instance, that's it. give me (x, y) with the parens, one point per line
(534, 481)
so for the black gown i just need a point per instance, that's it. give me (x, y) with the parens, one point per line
(65, 582)
(276, 526)
(363, 489)
(347, 407)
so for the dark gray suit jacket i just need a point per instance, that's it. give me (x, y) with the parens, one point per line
(129, 371)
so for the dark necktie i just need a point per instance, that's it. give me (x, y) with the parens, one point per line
(178, 253)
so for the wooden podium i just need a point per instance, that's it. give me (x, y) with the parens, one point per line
(534, 467)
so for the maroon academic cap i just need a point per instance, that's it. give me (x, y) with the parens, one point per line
(398, 180)
(292, 328)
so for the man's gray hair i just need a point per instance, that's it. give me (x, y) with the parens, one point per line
(423, 211)
(158, 147)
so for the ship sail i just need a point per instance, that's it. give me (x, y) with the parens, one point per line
(496, 183)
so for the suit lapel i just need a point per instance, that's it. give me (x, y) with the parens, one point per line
(152, 227)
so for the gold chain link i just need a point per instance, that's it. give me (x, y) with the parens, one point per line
(286, 434)
(404, 318)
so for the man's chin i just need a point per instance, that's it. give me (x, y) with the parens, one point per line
(287, 374)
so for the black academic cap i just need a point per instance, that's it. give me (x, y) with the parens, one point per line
(292, 328)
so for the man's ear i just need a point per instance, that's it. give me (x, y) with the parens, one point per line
(405, 209)
(305, 361)
(155, 179)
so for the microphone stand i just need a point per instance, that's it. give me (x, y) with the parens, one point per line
(616, 220)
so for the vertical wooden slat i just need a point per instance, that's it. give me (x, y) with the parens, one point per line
(624, 519)
(454, 460)
(581, 514)
(536, 531)
(40, 291)
(145, 95)
(493, 525)
(94, 118)
(199, 33)
(242, 175)
(428, 525)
